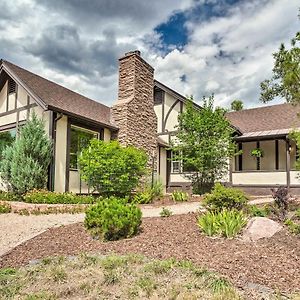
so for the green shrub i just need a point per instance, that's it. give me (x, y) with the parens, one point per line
(256, 211)
(180, 196)
(292, 226)
(112, 169)
(9, 196)
(227, 223)
(225, 197)
(297, 213)
(5, 208)
(165, 212)
(24, 164)
(113, 219)
(44, 196)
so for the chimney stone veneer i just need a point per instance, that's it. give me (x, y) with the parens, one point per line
(134, 111)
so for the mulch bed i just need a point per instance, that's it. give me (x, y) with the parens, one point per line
(273, 262)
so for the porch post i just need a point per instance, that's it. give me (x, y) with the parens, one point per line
(288, 165)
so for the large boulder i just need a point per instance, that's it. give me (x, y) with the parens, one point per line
(260, 227)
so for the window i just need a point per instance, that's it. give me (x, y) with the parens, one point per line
(7, 138)
(12, 87)
(80, 139)
(175, 163)
(158, 96)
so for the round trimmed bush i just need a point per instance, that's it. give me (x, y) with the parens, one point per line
(113, 219)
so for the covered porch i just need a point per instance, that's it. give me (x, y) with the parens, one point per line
(267, 160)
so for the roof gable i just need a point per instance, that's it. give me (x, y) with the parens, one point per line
(58, 98)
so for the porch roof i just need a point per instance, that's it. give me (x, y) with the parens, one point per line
(273, 120)
(277, 133)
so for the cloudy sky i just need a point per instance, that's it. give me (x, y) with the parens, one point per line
(197, 47)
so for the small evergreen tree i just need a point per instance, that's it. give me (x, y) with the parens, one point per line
(24, 164)
(204, 144)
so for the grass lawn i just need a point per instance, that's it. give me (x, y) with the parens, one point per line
(113, 277)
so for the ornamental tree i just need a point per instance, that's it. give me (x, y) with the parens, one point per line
(204, 143)
(112, 169)
(286, 74)
(24, 164)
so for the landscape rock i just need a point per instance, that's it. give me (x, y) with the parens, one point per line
(260, 227)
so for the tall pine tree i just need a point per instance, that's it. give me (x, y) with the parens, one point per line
(24, 164)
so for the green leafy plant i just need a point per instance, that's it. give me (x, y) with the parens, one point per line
(5, 208)
(227, 223)
(144, 197)
(113, 219)
(297, 213)
(204, 144)
(225, 197)
(257, 211)
(24, 164)
(165, 212)
(149, 192)
(112, 169)
(9, 196)
(44, 196)
(180, 196)
(292, 226)
(257, 152)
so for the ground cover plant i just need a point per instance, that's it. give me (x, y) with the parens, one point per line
(113, 219)
(113, 277)
(180, 196)
(47, 197)
(5, 208)
(165, 212)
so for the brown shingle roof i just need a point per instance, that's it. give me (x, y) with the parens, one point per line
(273, 117)
(59, 98)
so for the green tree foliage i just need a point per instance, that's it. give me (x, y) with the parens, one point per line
(286, 74)
(237, 105)
(204, 144)
(24, 165)
(111, 169)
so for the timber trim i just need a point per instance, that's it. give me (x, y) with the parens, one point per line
(17, 110)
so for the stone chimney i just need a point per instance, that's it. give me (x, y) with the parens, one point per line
(134, 111)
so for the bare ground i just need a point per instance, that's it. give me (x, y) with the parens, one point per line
(273, 262)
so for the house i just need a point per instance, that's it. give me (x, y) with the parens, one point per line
(145, 115)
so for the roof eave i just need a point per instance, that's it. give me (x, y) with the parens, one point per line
(97, 123)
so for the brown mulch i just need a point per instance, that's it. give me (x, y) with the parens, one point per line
(273, 262)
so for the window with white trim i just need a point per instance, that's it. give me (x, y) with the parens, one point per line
(175, 163)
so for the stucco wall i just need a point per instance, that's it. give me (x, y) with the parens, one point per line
(158, 111)
(259, 178)
(172, 120)
(3, 95)
(163, 165)
(267, 162)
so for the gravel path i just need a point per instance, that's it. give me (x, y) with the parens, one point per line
(16, 229)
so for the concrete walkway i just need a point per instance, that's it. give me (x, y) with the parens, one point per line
(16, 229)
